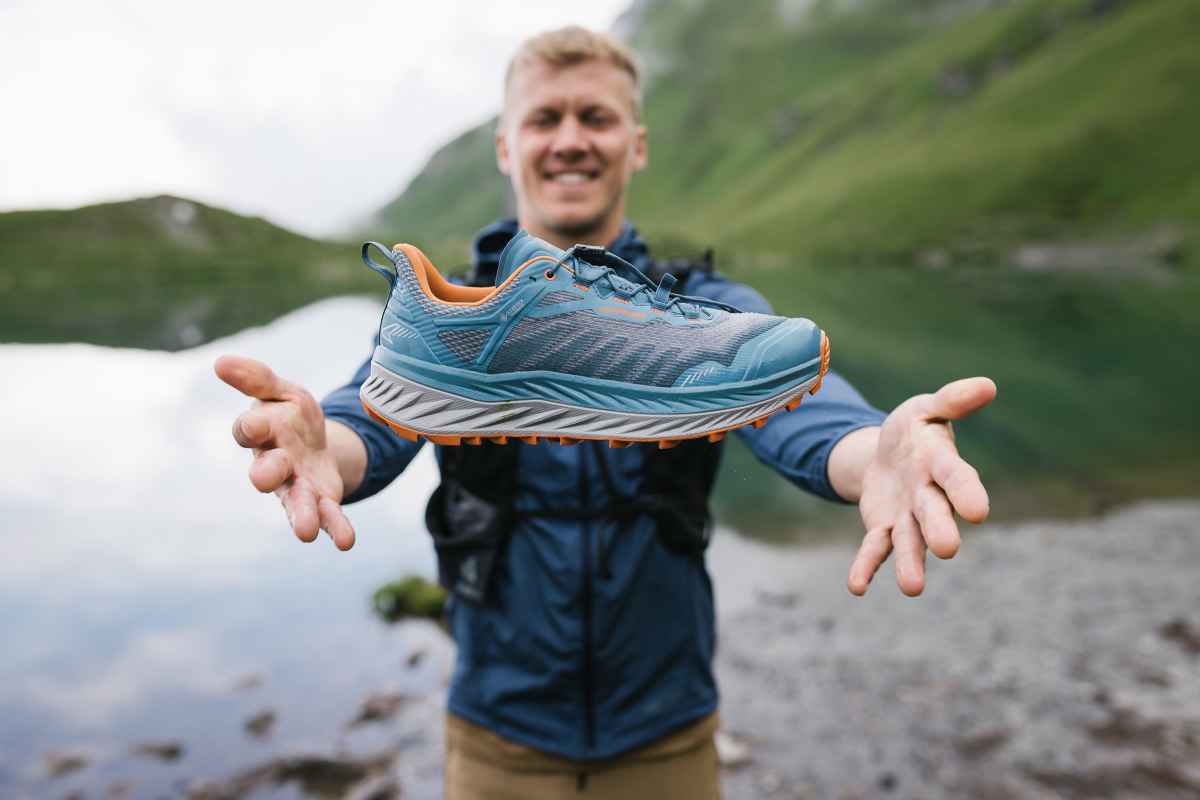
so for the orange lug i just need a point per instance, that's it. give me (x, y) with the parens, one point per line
(567, 440)
(667, 444)
(716, 437)
(529, 439)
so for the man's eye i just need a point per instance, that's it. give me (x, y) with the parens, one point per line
(543, 120)
(597, 119)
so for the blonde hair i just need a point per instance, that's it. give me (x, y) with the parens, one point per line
(573, 45)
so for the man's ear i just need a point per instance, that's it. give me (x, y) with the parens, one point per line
(502, 161)
(641, 157)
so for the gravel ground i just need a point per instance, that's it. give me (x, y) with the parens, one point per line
(1050, 659)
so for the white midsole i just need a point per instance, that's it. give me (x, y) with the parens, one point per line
(431, 411)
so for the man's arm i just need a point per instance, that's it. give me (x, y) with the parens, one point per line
(379, 454)
(903, 470)
(808, 446)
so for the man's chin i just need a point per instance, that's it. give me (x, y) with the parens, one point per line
(579, 226)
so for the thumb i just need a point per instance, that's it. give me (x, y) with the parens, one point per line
(252, 378)
(961, 398)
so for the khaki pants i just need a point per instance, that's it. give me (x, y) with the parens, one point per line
(481, 765)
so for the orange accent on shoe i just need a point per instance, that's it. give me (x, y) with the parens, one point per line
(451, 441)
(498, 439)
(792, 405)
(758, 423)
(472, 440)
(623, 311)
(529, 439)
(568, 440)
(667, 444)
(440, 290)
(716, 437)
(619, 443)
(824, 363)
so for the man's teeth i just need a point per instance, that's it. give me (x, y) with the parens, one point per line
(571, 177)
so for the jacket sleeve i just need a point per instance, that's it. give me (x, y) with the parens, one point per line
(387, 453)
(797, 444)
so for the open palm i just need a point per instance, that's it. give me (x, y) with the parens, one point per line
(916, 482)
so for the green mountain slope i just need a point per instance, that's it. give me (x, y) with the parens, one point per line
(889, 131)
(159, 272)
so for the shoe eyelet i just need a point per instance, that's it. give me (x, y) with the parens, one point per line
(549, 275)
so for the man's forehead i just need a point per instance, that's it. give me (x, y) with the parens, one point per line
(538, 83)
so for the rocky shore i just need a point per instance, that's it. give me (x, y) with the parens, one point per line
(1047, 660)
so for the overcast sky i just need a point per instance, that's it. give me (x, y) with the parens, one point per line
(309, 115)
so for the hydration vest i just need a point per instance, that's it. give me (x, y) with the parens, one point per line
(471, 514)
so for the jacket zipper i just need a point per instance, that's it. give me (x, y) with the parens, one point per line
(589, 712)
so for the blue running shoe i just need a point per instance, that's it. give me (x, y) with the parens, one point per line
(572, 345)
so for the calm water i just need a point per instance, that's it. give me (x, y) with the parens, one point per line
(144, 581)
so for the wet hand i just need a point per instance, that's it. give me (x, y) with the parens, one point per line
(915, 483)
(285, 429)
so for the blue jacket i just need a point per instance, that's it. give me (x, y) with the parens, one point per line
(581, 662)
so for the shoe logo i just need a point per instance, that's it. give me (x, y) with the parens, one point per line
(394, 330)
(511, 312)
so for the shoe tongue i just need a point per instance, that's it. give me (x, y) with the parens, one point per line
(520, 249)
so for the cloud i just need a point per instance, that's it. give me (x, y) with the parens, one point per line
(311, 115)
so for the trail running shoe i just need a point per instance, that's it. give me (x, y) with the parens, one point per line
(575, 345)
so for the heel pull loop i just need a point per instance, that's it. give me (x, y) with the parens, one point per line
(389, 271)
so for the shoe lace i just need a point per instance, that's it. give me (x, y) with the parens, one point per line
(596, 266)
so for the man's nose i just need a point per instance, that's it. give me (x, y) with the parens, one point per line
(570, 138)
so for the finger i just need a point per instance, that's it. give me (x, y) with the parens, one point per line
(270, 470)
(961, 483)
(252, 378)
(301, 504)
(336, 524)
(938, 528)
(251, 429)
(876, 546)
(958, 399)
(910, 556)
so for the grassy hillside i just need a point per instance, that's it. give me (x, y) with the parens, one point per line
(159, 272)
(898, 131)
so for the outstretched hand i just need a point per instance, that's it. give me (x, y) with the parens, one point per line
(915, 483)
(286, 430)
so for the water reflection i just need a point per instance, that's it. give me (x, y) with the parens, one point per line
(144, 579)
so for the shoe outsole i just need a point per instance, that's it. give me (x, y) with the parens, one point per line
(664, 443)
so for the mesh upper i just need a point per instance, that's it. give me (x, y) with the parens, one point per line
(556, 297)
(465, 343)
(653, 354)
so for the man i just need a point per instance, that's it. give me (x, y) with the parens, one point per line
(588, 666)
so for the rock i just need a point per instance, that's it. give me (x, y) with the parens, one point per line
(318, 775)
(410, 597)
(732, 752)
(59, 764)
(164, 751)
(259, 726)
(378, 708)
(1183, 633)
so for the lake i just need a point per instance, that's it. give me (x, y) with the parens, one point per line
(150, 595)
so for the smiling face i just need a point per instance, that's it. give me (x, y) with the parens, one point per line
(570, 142)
